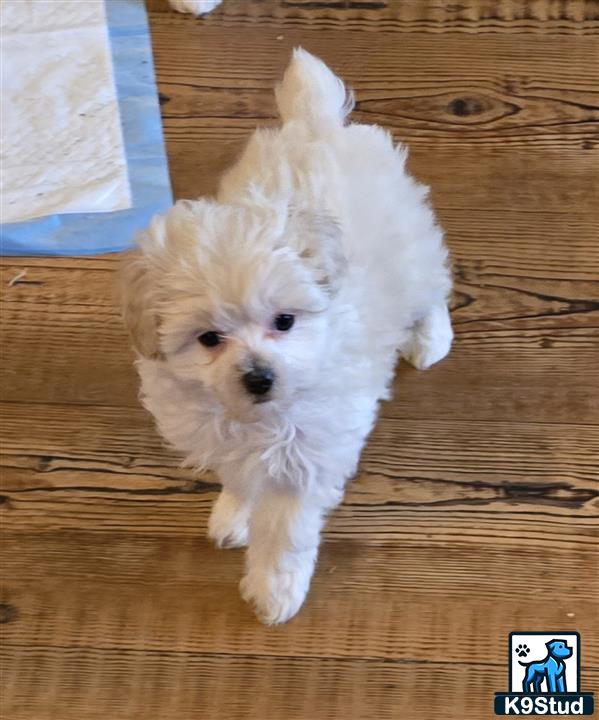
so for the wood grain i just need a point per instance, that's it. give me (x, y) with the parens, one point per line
(474, 512)
(193, 685)
(157, 628)
(381, 16)
(179, 594)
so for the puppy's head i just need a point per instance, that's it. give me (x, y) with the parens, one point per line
(235, 298)
(559, 649)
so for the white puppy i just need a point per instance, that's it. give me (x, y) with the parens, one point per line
(268, 323)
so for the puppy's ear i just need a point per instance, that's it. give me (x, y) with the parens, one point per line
(142, 270)
(138, 296)
(318, 241)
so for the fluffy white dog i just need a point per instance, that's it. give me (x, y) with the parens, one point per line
(268, 323)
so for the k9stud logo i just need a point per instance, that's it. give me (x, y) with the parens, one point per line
(544, 676)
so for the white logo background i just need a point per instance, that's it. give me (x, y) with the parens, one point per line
(538, 652)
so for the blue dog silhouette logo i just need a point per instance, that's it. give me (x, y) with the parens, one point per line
(544, 676)
(551, 670)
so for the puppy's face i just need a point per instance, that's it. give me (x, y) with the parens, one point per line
(255, 335)
(559, 649)
(236, 300)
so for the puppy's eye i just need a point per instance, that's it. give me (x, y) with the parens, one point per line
(284, 322)
(209, 339)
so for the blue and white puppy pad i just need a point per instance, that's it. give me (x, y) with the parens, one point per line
(92, 169)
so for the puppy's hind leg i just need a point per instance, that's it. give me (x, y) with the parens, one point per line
(430, 340)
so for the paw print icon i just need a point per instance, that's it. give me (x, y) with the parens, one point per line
(522, 650)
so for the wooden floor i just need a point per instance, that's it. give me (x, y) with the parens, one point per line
(475, 510)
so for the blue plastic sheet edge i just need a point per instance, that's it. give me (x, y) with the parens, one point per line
(96, 233)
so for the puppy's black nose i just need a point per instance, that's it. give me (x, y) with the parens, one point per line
(258, 381)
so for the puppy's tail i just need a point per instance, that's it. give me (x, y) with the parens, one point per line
(310, 92)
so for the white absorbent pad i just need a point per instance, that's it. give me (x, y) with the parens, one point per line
(62, 145)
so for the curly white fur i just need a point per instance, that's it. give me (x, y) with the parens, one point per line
(195, 7)
(320, 220)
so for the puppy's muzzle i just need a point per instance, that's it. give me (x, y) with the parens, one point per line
(258, 381)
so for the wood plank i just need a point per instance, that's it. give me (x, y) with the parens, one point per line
(188, 685)
(377, 509)
(416, 110)
(193, 55)
(98, 262)
(384, 16)
(463, 106)
(374, 510)
(161, 594)
(489, 179)
(444, 117)
(153, 627)
(155, 684)
(449, 117)
(420, 481)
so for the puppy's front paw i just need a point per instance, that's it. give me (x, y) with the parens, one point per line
(431, 340)
(228, 524)
(424, 352)
(276, 595)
